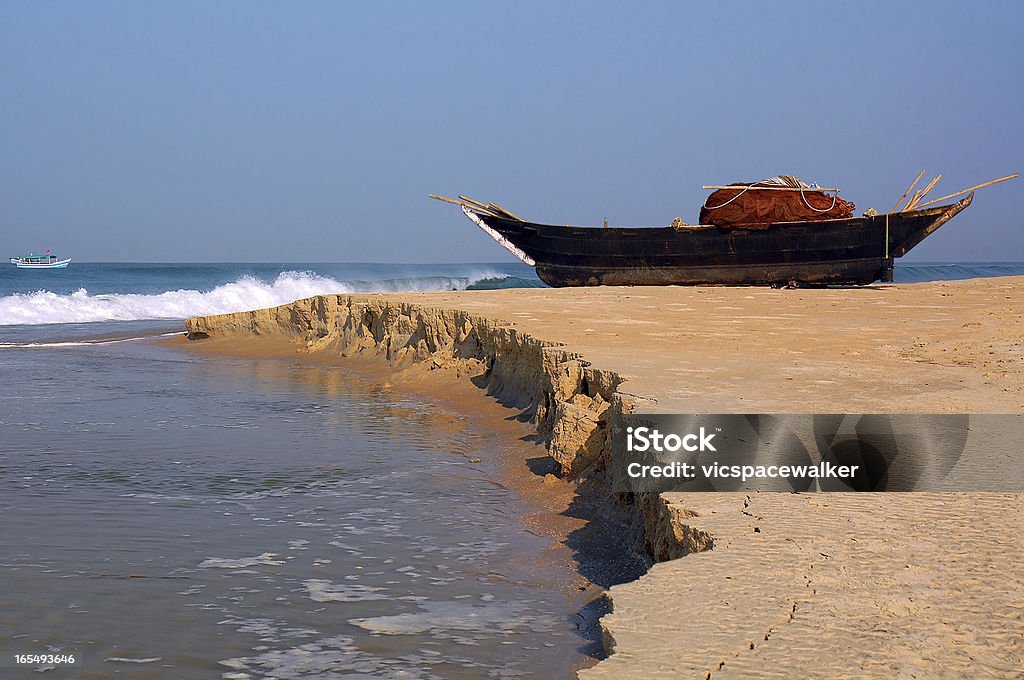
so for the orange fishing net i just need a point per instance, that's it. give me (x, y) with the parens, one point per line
(752, 208)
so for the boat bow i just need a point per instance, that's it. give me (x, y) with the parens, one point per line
(478, 220)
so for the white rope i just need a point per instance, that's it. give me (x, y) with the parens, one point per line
(745, 190)
(782, 180)
(815, 209)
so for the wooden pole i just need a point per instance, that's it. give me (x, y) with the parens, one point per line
(917, 195)
(977, 186)
(469, 200)
(492, 209)
(445, 199)
(486, 211)
(909, 189)
(511, 214)
(924, 192)
(754, 186)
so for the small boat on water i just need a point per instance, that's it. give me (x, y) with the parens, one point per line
(787, 233)
(45, 261)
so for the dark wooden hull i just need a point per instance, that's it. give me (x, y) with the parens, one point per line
(858, 250)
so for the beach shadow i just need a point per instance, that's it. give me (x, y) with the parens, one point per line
(605, 548)
(606, 551)
(588, 626)
(509, 397)
(541, 465)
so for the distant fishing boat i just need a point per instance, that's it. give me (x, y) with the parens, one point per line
(45, 261)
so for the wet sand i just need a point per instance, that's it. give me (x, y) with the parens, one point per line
(830, 586)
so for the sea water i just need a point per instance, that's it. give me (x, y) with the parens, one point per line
(172, 515)
(91, 292)
(169, 514)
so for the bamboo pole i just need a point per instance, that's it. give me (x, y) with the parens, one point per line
(467, 199)
(486, 211)
(493, 209)
(456, 202)
(480, 206)
(909, 189)
(445, 199)
(924, 192)
(754, 186)
(917, 195)
(511, 214)
(977, 186)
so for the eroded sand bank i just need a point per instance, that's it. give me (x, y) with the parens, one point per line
(828, 585)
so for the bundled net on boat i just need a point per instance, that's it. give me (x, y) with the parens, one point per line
(749, 207)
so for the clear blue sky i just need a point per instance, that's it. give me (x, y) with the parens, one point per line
(291, 131)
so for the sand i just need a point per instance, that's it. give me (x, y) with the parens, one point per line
(840, 585)
(916, 348)
(830, 586)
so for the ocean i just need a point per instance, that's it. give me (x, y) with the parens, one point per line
(169, 514)
(91, 293)
(172, 514)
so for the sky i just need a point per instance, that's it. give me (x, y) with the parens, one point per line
(313, 131)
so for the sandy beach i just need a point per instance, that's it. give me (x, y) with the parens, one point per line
(766, 585)
(922, 348)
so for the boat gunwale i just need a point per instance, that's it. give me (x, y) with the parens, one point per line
(746, 226)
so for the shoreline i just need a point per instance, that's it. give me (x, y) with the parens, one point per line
(937, 347)
(582, 554)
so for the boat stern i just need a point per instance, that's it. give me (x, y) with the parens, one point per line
(901, 243)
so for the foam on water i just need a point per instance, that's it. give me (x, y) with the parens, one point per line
(127, 293)
(77, 343)
(264, 559)
(470, 619)
(321, 590)
(334, 656)
(245, 512)
(245, 293)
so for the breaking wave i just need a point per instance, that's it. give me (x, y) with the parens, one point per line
(245, 293)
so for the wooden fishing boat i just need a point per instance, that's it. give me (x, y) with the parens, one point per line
(855, 250)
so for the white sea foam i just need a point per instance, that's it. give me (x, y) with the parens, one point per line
(266, 558)
(246, 293)
(339, 657)
(321, 590)
(458, 616)
(83, 343)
